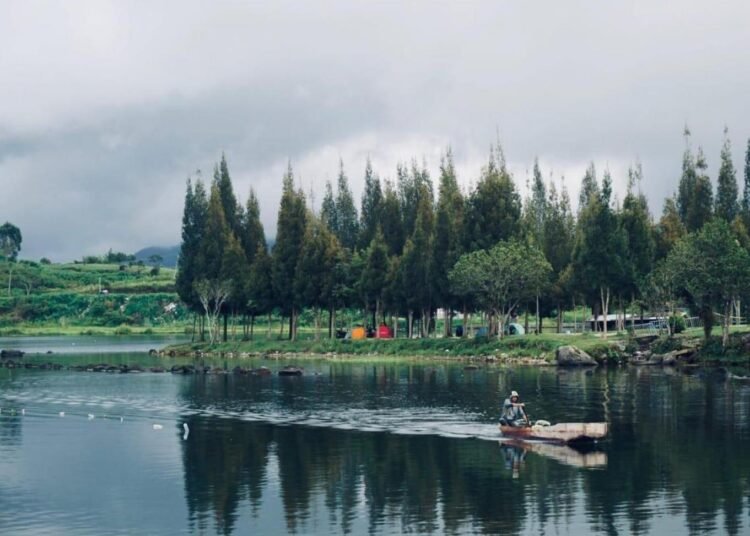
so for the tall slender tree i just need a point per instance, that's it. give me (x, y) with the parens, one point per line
(252, 235)
(599, 254)
(328, 213)
(636, 222)
(536, 207)
(727, 203)
(290, 231)
(347, 221)
(232, 209)
(193, 227)
(392, 220)
(694, 193)
(416, 265)
(372, 283)
(447, 245)
(494, 207)
(371, 208)
(746, 188)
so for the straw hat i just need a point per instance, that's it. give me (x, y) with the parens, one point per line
(514, 393)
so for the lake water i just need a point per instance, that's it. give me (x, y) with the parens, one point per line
(366, 448)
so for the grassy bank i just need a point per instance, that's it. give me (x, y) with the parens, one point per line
(538, 347)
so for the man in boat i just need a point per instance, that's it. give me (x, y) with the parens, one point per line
(513, 413)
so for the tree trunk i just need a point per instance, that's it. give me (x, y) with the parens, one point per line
(317, 323)
(252, 326)
(226, 321)
(410, 324)
(604, 294)
(538, 317)
(465, 332)
(526, 320)
(192, 335)
(725, 323)
(559, 318)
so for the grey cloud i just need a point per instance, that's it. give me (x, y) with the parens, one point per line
(108, 107)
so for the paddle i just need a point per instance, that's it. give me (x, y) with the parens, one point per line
(525, 417)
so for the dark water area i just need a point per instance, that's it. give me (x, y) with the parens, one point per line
(352, 448)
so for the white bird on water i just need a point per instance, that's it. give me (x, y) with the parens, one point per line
(91, 416)
(158, 427)
(62, 414)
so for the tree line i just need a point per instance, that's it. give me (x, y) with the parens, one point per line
(414, 247)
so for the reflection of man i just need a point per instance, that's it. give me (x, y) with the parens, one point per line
(513, 414)
(514, 459)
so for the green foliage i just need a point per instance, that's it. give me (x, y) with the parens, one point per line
(695, 195)
(347, 221)
(600, 252)
(727, 205)
(711, 268)
(498, 279)
(493, 209)
(10, 241)
(371, 207)
(193, 229)
(676, 324)
(290, 232)
(449, 220)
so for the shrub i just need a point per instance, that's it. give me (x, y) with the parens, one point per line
(676, 324)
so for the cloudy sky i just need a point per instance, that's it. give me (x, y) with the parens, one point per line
(107, 107)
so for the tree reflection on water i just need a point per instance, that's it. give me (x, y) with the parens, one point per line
(677, 449)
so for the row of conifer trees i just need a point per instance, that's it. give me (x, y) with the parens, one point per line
(397, 255)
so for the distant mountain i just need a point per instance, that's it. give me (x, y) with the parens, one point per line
(168, 254)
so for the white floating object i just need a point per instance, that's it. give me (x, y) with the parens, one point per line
(158, 427)
(187, 431)
(23, 411)
(91, 416)
(122, 419)
(62, 414)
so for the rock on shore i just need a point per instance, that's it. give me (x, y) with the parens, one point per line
(570, 356)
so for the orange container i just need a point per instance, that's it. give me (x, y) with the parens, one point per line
(359, 333)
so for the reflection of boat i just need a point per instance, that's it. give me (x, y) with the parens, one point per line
(564, 432)
(290, 371)
(563, 453)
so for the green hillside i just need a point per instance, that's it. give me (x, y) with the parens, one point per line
(37, 297)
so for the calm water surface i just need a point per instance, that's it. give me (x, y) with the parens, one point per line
(362, 448)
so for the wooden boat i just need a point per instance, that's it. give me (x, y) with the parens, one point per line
(564, 432)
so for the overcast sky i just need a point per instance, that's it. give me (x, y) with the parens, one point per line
(107, 107)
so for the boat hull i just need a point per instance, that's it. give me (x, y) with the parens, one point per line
(566, 432)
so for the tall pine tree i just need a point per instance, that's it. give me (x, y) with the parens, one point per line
(290, 232)
(727, 205)
(746, 188)
(392, 220)
(494, 207)
(347, 221)
(447, 245)
(371, 207)
(193, 227)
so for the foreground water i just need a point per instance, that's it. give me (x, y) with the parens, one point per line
(367, 448)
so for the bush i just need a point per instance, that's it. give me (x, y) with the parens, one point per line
(676, 324)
